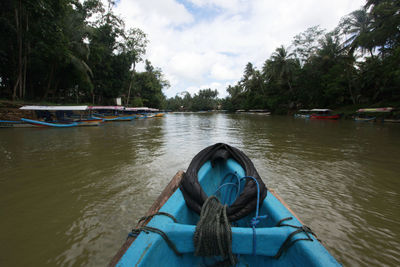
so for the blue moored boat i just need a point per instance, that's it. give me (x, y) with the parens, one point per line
(50, 124)
(262, 231)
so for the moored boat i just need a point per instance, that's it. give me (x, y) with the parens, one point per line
(323, 114)
(260, 112)
(365, 119)
(143, 112)
(303, 113)
(60, 116)
(49, 124)
(110, 113)
(89, 122)
(220, 212)
(159, 114)
(363, 115)
(387, 114)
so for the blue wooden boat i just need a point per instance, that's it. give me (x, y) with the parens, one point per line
(364, 118)
(50, 124)
(303, 113)
(270, 235)
(64, 117)
(374, 114)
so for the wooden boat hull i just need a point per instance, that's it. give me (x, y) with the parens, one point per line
(392, 120)
(90, 122)
(325, 117)
(372, 119)
(303, 116)
(115, 118)
(150, 249)
(50, 124)
(125, 118)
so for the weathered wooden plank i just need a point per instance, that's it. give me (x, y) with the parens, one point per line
(161, 200)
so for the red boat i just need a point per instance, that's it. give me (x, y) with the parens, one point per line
(323, 114)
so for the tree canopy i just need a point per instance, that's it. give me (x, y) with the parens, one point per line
(73, 51)
(356, 63)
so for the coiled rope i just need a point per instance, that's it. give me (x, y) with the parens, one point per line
(213, 235)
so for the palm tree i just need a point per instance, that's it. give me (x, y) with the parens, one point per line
(248, 76)
(330, 47)
(73, 51)
(281, 66)
(357, 25)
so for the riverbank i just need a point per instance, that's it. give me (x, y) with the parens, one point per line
(9, 110)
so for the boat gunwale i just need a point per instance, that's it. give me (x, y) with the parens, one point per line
(168, 191)
(165, 195)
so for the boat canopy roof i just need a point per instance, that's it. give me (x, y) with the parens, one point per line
(258, 110)
(50, 108)
(321, 109)
(54, 108)
(388, 109)
(304, 110)
(106, 107)
(141, 109)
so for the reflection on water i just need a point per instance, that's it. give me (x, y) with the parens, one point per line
(69, 196)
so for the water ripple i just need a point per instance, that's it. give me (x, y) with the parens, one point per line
(82, 190)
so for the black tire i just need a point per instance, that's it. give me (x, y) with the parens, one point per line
(247, 200)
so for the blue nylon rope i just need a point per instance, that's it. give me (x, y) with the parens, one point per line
(229, 195)
(255, 220)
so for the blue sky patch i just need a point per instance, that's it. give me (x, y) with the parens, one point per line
(205, 13)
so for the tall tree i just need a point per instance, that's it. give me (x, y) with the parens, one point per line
(281, 67)
(306, 43)
(135, 48)
(356, 27)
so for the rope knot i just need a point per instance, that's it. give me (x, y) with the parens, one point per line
(255, 220)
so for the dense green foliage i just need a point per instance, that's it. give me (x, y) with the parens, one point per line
(204, 100)
(357, 63)
(73, 51)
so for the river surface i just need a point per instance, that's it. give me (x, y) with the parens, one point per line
(69, 197)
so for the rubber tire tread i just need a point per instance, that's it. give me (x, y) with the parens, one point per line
(195, 196)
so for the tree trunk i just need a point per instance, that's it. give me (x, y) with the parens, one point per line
(15, 89)
(20, 61)
(17, 26)
(290, 87)
(27, 48)
(351, 94)
(130, 84)
(49, 82)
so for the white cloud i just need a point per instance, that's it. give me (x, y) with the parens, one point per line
(207, 43)
(230, 6)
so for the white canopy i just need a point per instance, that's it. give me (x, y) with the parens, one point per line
(141, 109)
(320, 109)
(388, 109)
(54, 107)
(107, 107)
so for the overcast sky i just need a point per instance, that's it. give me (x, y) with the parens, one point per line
(207, 43)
